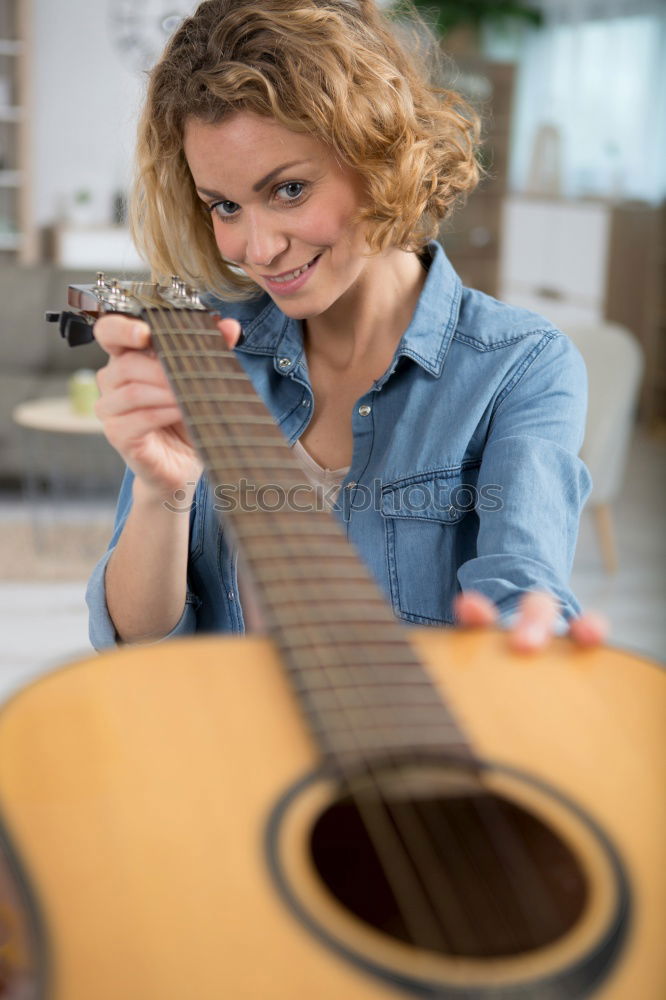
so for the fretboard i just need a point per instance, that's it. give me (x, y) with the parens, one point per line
(362, 688)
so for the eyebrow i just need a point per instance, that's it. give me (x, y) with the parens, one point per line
(260, 184)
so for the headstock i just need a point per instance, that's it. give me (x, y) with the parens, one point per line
(132, 298)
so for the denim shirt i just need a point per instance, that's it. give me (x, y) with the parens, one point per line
(464, 474)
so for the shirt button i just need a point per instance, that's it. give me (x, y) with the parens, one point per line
(230, 595)
(305, 402)
(350, 486)
(284, 362)
(364, 410)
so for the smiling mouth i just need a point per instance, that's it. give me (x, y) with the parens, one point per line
(290, 275)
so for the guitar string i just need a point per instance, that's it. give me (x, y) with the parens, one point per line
(319, 643)
(246, 441)
(419, 929)
(519, 897)
(212, 374)
(366, 817)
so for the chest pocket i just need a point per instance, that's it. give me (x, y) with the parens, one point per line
(431, 527)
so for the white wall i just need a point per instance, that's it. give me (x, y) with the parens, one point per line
(85, 103)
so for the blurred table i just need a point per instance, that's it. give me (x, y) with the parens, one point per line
(46, 477)
(54, 414)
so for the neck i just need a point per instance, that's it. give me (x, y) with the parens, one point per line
(372, 316)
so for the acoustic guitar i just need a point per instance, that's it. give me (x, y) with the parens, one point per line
(340, 809)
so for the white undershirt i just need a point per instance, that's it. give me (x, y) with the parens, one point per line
(321, 479)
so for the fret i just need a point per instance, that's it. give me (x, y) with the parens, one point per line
(204, 324)
(294, 594)
(327, 590)
(279, 553)
(200, 355)
(181, 329)
(352, 658)
(289, 544)
(382, 693)
(291, 522)
(361, 661)
(257, 464)
(317, 615)
(369, 726)
(315, 669)
(218, 397)
(266, 420)
(251, 444)
(309, 574)
(361, 632)
(234, 440)
(391, 717)
(388, 739)
(214, 442)
(217, 374)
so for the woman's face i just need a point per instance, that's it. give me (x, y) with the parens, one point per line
(282, 209)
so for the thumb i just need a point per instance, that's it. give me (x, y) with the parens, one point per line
(230, 330)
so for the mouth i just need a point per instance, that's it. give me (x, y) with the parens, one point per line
(289, 280)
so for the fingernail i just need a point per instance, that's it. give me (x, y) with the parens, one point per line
(533, 634)
(138, 333)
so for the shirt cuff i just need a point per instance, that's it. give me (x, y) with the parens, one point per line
(102, 631)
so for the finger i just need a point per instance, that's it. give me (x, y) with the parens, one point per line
(134, 396)
(131, 366)
(230, 330)
(535, 624)
(122, 432)
(591, 629)
(116, 334)
(474, 610)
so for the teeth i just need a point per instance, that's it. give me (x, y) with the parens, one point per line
(292, 274)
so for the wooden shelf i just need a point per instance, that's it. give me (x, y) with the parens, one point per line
(18, 235)
(472, 236)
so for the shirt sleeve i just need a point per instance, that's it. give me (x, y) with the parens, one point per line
(101, 630)
(532, 484)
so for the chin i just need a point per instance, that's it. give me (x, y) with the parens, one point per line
(294, 311)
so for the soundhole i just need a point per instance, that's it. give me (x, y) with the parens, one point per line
(470, 873)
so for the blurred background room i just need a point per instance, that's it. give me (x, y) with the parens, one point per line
(570, 221)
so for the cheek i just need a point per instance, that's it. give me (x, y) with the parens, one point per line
(228, 241)
(330, 229)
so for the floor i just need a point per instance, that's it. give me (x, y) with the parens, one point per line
(44, 624)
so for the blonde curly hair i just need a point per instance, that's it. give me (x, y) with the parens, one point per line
(334, 69)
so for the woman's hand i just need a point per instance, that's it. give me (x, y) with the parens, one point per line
(535, 621)
(138, 409)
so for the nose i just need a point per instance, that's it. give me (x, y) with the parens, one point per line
(265, 240)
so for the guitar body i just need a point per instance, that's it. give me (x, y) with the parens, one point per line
(160, 802)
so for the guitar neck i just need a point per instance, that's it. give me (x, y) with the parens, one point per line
(360, 684)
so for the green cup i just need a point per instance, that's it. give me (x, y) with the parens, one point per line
(83, 392)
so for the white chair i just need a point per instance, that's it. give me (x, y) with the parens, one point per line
(614, 361)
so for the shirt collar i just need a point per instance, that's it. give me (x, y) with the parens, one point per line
(426, 340)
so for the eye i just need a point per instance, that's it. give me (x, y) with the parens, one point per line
(293, 191)
(225, 209)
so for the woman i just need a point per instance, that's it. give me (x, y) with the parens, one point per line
(295, 163)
